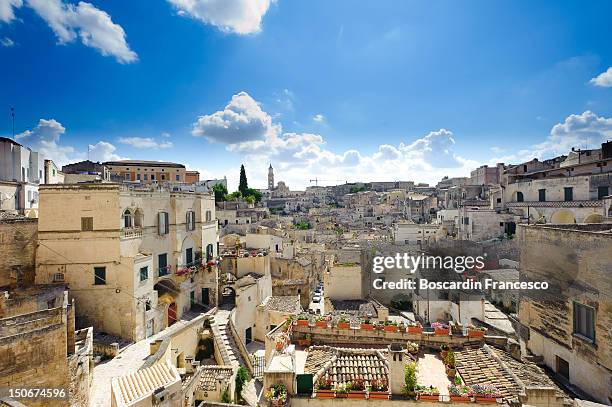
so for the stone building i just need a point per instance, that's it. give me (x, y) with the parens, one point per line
(18, 241)
(568, 325)
(147, 172)
(135, 259)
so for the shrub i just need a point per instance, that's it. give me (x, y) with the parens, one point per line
(449, 359)
(410, 379)
(324, 384)
(242, 376)
(357, 384)
(225, 396)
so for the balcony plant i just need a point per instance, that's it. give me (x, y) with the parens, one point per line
(410, 379)
(321, 322)
(484, 393)
(356, 388)
(440, 328)
(344, 323)
(342, 391)
(449, 363)
(390, 326)
(324, 388)
(379, 389)
(210, 265)
(367, 325)
(459, 393)
(302, 320)
(476, 331)
(413, 348)
(443, 350)
(380, 325)
(306, 341)
(456, 328)
(428, 393)
(277, 395)
(415, 328)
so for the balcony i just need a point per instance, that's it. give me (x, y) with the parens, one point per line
(131, 233)
(164, 271)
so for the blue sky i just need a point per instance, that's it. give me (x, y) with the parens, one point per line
(338, 90)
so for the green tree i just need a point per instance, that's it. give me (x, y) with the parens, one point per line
(233, 196)
(242, 376)
(249, 199)
(220, 191)
(254, 193)
(243, 186)
(225, 396)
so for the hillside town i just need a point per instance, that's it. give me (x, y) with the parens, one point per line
(136, 283)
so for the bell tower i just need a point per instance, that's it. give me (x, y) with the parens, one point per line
(270, 178)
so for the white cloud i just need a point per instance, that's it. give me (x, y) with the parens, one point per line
(45, 138)
(7, 12)
(234, 16)
(93, 26)
(604, 79)
(318, 118)
(145, 142)
(7, 42)
(242, 120)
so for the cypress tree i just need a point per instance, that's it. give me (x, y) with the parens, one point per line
(243, 186)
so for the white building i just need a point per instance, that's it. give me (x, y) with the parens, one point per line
(21, 170)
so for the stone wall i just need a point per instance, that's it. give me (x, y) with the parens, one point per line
(18, 241)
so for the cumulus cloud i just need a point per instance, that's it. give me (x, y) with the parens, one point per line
(242, 120)
(7, 12)
(94, 27)
(232, 16)
(318, 118)
(45, 138)
(145, 142)
(7, 42)
(604, 79)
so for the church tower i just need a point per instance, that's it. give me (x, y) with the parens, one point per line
(270, 178)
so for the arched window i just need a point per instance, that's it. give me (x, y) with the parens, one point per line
(519, 197)
(138, 218)
(127, 219)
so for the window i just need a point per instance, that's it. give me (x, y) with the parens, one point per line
(190, 220)
(178, 177)
(584, 321)
(163, 177)
(208, 216)
(569, 193)
(144, 273)
(99, 275)
(498, 200)
(524, 168)
(146, 177)
(162, 264)
(148, 305)
(53, 171)
(163, 223)
(127, 219)
(152, 177)
(127, 176)
(542, 195)
(138, 177)
(501, 224)
(51, 303)
(87, 224)
(519, 196)
(466, 221)
(602, 192)
(58, 277)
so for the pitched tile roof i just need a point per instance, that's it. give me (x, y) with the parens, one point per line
(211, 375)
(284, 303)
(343, 365)
(141, 383)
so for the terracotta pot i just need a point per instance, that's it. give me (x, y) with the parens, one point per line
(280, 345)
(485, 400)
(415, 329)
(378, 395)
(277, 403)
(357, 394)
(344, 325)
(461, 399)
(321, 324)
(367, 327)
(451, 372)
(325, 394)
(341, 395)
(304, 342)
(442, 331)
(433, 397)
(473, 333)
(390, 328)
(302, 322)
(443, 354)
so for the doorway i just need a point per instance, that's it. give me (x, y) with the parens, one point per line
(562, 367)
(205, 298)
(172, 313)
(249, 335)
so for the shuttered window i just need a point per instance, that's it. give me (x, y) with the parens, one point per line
(163, 223)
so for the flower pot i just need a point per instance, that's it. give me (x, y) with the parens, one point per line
(415, 329)
(442, 331)
(325, 394)
(302, 322)
(474, 333)
(443, 354)
(378, 395)
(279, 346)
(390, 328)
(432, 397)
(344, 325)
(321, 324)
(277, 403)
(357, 394)
(304, 342)
(367, 327)
(485, 400)
(451, 372)
(461, 399)
(341, 395)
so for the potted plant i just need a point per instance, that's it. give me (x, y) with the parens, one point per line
(440, 329)
(279, 344)
(367, 325)
(379, 389)
(356, 389)
(428, 393)
(342, 391)
(302, 320)
(401, 327)
(380, 325)
(459, 393)
(413, 348)
(484, 393)
(324, 388)
(390, 326)
(449, 363)
(344, 323)
(277, 395)
(415, 328)
(306, 341)
(476, 331)
(410, 379)
(321, 322)
(456, 328)
(443, 350)
(209, 265)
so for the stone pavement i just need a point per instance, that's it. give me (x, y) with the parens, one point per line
(431, 372)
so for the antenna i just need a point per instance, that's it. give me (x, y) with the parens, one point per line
(13, 117)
